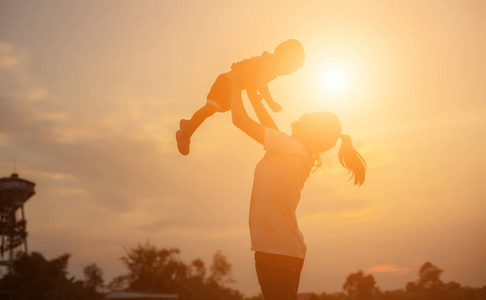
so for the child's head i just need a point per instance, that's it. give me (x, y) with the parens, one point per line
(319, 132)
(289, 57)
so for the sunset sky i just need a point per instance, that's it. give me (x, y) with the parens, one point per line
(91, 94)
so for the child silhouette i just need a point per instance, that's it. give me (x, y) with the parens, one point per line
(253, 75)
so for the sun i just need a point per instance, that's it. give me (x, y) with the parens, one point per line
(334, 80)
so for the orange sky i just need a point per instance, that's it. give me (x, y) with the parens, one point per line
(91, 93)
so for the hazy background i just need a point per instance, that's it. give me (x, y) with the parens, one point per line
(91, 94)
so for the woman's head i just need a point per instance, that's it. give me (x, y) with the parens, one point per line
(319, 132)
(289, 56)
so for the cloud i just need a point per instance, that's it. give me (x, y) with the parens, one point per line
(177, 228)
(36, 94)
(389, 268)
(118, 158)
(3, 139)
(8, 59)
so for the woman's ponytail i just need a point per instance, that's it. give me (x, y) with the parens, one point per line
(352, 160)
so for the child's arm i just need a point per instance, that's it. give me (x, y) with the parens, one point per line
(265, 92)
(263, 116)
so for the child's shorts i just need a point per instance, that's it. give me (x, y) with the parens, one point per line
(220, 94)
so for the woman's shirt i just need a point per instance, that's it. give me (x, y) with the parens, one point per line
(278, 181)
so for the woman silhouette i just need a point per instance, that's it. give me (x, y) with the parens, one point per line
(278, 181)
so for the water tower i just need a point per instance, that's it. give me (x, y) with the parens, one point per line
(14, 192)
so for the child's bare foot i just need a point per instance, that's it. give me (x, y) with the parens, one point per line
(182, 142)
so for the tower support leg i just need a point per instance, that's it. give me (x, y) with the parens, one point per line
(25, 238)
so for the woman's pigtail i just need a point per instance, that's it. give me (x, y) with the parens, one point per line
(352, 160)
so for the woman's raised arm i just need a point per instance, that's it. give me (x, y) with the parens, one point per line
(241, 119)
(261, 112)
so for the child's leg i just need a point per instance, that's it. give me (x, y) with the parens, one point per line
(183, 136)
(199, 116)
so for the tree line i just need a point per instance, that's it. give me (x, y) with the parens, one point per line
(153, 270)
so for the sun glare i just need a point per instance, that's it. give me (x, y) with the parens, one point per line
(334, 80)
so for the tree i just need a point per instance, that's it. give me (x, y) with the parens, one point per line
(360, 287)
(161, 271)
(220, 269)
(153, 270)
(34, 277)
(197, 269)
(334, 296)
(429, 277)
(119, 283)
(93, 281)
(428, 284)
(93, 277)
(64, 288)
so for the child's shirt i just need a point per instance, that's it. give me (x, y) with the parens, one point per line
(256, 72)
